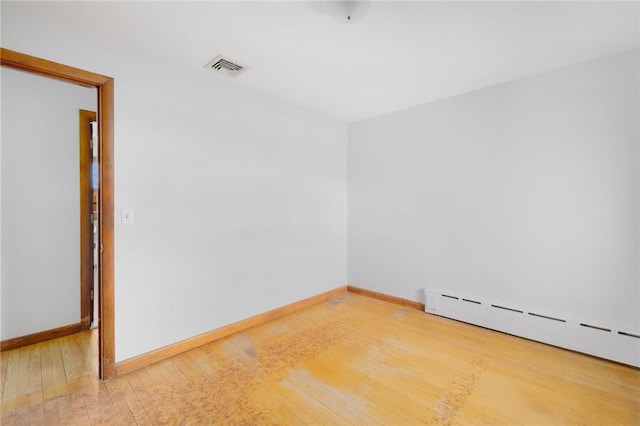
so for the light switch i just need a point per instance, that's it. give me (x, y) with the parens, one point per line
(127, 216)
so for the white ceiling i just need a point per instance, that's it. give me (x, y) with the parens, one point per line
(400, 55)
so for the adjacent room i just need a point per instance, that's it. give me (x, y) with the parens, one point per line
(320, 212)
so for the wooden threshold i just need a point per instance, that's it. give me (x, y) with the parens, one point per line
(42, 336)
(141, 361)
(387, 298)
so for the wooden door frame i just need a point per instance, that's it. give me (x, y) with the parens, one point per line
(86, 216)
(104, 86)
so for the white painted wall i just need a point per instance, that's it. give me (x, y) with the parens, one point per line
(525, 192)
(231, 189)
(40, 202)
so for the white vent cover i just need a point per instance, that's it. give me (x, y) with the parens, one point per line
(225, 66)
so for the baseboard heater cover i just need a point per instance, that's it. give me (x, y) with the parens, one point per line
(590, 337)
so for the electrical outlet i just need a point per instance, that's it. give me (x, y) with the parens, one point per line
(279, 281)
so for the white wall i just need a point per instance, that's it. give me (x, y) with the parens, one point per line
(525, 192)
(231, 189)
(40, 202)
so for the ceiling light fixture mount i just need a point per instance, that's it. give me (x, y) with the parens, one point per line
(347, 11)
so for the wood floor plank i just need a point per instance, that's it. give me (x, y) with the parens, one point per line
(51, 416)
(36, 406)
(126, 403)
(8, 420)
(88, 340)
(384, 395)
(72, 410)
(4, 363)
(73, 363)
(161, 392)
(78, 372)
(101, 409)
(308, 413)
(82, 343)
(24, 382)
(46, 364)
(59, 376)
(144, 395)
(9, 390)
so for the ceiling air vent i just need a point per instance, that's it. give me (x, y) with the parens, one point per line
(225, 66)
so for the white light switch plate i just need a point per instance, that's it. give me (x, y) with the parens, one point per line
(127, 217)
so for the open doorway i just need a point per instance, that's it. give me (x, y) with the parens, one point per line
(105, 205)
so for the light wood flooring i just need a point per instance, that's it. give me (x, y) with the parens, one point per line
(352, 360)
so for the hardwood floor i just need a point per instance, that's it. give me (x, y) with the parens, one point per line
(352, 360)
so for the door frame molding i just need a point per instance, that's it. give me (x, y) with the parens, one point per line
(106, 233)
(86, 217)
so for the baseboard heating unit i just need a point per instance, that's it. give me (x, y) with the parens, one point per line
(585, 336)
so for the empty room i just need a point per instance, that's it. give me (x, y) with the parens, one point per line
(320, 212)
